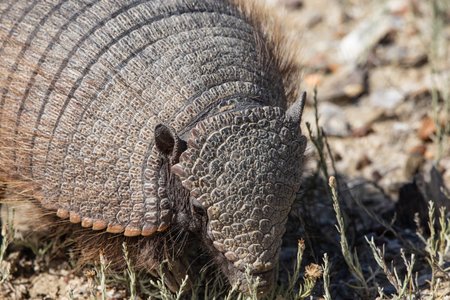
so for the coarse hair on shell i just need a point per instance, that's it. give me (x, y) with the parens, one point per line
(275, 45)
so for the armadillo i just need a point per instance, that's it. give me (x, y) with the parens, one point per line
(143, 117)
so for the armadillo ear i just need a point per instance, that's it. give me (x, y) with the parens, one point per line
(168, 142)
(295, 111)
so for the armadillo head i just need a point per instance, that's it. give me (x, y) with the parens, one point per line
(243, 169)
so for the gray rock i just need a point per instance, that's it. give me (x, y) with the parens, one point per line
(356, 45)
(333, 120)
(387, 99)
(408, 55)
(343, 86)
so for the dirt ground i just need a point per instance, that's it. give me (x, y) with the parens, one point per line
(382, 74)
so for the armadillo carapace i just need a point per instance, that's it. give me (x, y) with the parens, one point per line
(143, 117)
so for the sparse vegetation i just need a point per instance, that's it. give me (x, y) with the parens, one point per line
(7, 239)
(131, 275)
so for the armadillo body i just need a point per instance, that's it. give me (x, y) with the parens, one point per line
(131, 116)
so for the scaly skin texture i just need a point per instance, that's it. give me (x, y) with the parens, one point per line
(243, 168)
(144, 117)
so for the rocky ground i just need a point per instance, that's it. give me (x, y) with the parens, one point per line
(382, 74)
